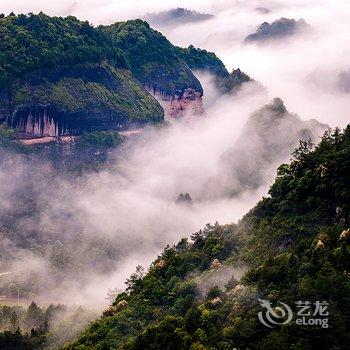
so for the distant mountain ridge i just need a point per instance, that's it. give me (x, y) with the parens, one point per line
(176, 16)
(280, 28)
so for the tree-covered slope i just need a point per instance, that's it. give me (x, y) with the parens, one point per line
(30, 42)
(278, 29)
(152, 58)
(65, 75)
(205, 61)
(296, 244)
(84, 97)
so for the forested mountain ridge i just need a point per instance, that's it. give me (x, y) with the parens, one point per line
(273, 132)
(62, 76)
(153, 60)
(202, 60)
(176, 16)
(296, 244)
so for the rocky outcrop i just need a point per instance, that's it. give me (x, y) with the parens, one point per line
(188, 102)
(159, 67)
(78, 99)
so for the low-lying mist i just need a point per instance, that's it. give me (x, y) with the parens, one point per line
(69, 239)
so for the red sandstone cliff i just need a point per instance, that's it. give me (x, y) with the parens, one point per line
(189, 102)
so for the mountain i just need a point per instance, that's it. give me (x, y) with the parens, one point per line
(273, 133)
(262, 10)
(165, 70)
(343, 82)
(295, 245)
(280, 28)
(177, 16)
(155, 63)
(204, 61)
(62, 76)
(33, 174)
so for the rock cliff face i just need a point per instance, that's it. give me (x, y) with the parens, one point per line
(188, 102)
(32, 123)
(159, 67)
(81, 98)
(69, 78)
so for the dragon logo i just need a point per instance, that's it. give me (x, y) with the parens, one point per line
(274, 316)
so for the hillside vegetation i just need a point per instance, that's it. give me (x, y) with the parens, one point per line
(152, 58)
(296, 243)
(67, 71)
(202, 60)
(64, 76)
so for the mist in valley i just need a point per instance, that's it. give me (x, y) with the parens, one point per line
(80, 236)
(77, 237)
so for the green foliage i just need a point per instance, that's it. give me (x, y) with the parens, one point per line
(9, 142)
(202, 60)
(101, 139)
(152, 58)
(162, 292)
(198, 59)
(17, 340)
(30, 42)
(112, 97)
(36, 327)
(297, 243)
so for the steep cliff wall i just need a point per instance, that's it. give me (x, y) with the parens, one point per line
(188, 102)
(62, 76)
(157, 65)
(72, 100)
(68, 77)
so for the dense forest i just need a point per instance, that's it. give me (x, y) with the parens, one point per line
(152, 58)
(34, 327)
(204, 61)
(30, 42)
(296, 243)
(63, 76)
